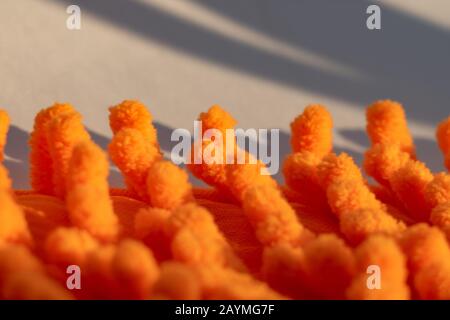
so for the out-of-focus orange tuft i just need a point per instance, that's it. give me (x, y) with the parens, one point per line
(312, 131)
(177, 282)
(382, 265)
(329, 266)
(13, 225)
(428, 261)
(69, 246)
(196, 240)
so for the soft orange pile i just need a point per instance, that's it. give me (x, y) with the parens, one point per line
(246, 237)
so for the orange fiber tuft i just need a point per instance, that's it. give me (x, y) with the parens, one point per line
(346, 196)
(63, 133)
(133, 115)
(41, 164)
(381, 161)
(300, 174)
(438, 190)
(440, 217)
(213, 172)
(312, 131)
(4, 127)
(443, 136)
(274, 220)
(168, 186)
(216, 118)
(87, 188)
(337, 167)
(358, 225)
(134, 157)
(386, 124)
(409, 184)
(13, 225)
(428, 261)
(379, 254)
(241, 177)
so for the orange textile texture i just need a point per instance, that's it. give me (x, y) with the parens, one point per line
(328, 233)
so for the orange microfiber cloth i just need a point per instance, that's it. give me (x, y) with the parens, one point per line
(327, 234)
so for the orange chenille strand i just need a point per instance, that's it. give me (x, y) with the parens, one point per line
(443, 139)
(4, 127)
(168, 186)
(381, 161)
(300, 174)
(133, 115)
(196, 240)
(63, 133)
(386, 124)
(438, 190)
(13, 225)
(382, 272)
(271, 216)
(349, 197)
(216, 118)
(409, 184)
(440, 217)
(312, 131)
(87, 188)
(134, 156)
(338, 167)
(322, 269)
(359, 224)
(241, 177)
(41, 164)
(428, 261)
(213, 173)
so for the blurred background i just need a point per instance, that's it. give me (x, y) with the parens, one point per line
(262, 60)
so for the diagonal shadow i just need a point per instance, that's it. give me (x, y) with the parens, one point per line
(406, 61)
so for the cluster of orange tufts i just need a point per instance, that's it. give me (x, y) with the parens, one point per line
(246, 237)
